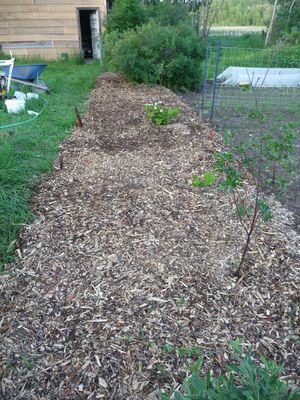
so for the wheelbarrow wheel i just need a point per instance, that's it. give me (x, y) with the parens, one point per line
(40, 83)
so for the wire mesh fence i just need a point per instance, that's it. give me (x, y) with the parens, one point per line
(217, 96)
(231, 107)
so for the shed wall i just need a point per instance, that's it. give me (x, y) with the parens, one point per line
(42, 27)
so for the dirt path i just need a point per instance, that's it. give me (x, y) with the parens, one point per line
(127, 262)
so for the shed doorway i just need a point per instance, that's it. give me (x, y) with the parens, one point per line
(89, 33)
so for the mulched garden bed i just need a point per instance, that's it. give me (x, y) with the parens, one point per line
(126, 263)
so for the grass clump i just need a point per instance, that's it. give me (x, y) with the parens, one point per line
(27, 151)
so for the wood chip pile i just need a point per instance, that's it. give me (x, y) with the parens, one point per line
(126, 263)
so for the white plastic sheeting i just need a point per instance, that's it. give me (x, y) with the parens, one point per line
(261, 77)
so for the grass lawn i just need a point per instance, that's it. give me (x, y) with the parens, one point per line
(27, 151)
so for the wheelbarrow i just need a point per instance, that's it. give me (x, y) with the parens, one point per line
(27, 75)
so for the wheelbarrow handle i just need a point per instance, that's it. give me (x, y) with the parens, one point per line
(47, 90)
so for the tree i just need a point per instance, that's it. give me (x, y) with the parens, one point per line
(270, 30)
(207, 15)
(126, 14)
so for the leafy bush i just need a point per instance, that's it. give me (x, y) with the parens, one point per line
(244, 381)
(126, 14)
(156, 54)
(159, 114)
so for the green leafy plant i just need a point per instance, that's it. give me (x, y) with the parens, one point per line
(160, 114)
(245, 380)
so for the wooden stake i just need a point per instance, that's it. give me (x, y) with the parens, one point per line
(61, 162)
(78, 119)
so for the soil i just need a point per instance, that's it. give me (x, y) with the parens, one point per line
(126, 263)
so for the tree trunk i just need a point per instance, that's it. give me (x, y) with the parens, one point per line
(205, 18)
(290, 11)
(270, 30)
(199, 19)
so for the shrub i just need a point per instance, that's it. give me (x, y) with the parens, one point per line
(126, 14)
(156, 54)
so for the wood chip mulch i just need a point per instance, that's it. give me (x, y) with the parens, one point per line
(126, 263)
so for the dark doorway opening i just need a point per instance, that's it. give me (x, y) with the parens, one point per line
(86, 33)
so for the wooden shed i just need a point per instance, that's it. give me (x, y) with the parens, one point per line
(50, 28)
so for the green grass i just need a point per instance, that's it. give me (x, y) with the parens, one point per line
(248, 40)
(28, 151)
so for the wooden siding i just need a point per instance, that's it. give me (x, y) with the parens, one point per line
(42, 27)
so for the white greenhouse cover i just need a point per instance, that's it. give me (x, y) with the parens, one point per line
(261, 77)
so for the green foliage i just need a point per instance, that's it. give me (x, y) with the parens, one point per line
(126, 14)
(169, 14)
(159, 114)
(244, 381)
(287, 22)
(245, 41)
(28, 151)
(154, 54)
(242, 12)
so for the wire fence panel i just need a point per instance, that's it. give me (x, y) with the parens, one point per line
(232, 96)
(231, 107)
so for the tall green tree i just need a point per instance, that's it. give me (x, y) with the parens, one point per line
(126, 14)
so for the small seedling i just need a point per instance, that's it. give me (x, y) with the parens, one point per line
(27, 363)
(168, 348)
(189, 351)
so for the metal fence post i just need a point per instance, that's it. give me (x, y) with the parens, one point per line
(215, 84)
(204, 81)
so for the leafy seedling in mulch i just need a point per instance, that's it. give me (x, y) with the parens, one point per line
(244, 380)
(160, 114)
(168, 348)
(27, 363)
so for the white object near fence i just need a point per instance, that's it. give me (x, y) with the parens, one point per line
(261, 77)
